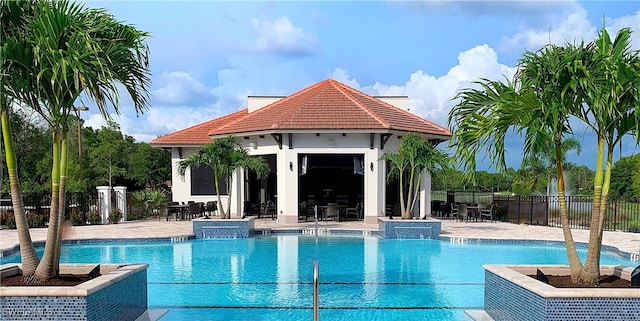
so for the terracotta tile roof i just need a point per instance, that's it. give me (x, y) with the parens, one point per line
(197, 134)
(330, 104)
(327, 105)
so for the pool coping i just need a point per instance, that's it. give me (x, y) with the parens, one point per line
(608, 249)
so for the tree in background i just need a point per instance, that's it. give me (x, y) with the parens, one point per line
(542, 164)
(625, 176)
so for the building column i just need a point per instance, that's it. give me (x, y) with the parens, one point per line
(425, 195)
(121, 201)
(287, 171)
(237, 192)
(104, 195)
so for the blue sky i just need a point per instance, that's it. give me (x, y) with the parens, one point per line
(207, 56)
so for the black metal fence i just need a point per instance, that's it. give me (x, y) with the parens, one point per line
(622, 215)
(80, 209)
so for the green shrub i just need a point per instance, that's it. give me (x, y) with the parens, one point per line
(10, 223)
(94, 218)
(634, 226)
(36, 220)
(78, 218)
(115, 216)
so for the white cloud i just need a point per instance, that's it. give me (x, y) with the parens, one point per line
(430, 97)
(576, 27)
(179, 88)
(281, 37)
(631, 21)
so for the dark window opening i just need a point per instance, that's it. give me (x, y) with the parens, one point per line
(202, 182)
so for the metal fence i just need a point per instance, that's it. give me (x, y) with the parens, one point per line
(79, 208)
(622, 215)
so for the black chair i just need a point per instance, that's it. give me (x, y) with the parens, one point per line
(172, 210)
(268, 210)
(194, 209)
(211, 207)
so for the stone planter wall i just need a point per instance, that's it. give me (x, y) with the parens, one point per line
(120, 293)
(409, 229)
(510, 294)
(223, 228)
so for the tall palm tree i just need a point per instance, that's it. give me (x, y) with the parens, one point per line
(74, 51)
(414, 157)
(536, 106)
(610, 80)
(13, 84)
(224, 156)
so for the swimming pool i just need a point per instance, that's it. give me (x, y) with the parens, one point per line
(271, 278)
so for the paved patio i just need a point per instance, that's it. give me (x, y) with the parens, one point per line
(627, 242)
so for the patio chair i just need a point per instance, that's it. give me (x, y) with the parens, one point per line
(453, 212)
(459, 212)
(302, 210)
(211, 207)
(488, 213)
(269, 210)
(194, 210)
(354, 211)
(333, 211)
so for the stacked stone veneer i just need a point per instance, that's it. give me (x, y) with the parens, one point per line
(510, 294)
(408, 229)
(223, 228)
(118, 295)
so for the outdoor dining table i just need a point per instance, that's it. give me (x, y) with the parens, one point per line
(182, 209)
(474, 210)
(322, 212)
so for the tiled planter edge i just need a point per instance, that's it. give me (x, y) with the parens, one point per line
(119, 293)
(510, 294)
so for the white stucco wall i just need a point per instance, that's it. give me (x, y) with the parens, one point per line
(287, 179)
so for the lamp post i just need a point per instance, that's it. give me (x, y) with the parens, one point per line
(78, 110)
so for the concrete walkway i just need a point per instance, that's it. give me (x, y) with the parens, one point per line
(627, 242)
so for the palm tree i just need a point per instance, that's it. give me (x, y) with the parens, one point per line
(414, 157)
(610, 80)
(13, 84)
(224, 156)
(536, 106)
(75, 50)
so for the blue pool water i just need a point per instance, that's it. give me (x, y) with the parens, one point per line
(270, 278)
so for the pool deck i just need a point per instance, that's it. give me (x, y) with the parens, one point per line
(152, 228)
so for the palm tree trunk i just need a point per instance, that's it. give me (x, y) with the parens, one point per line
(417, 190)
(604, 201)
(575, 265)
(406, 213)
(47, 269)
(401, 181)
(64, 171)
(229, 190)
(220, 207)
(27, 251)
(590, 273)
